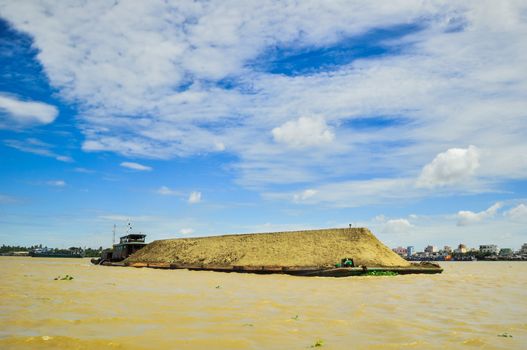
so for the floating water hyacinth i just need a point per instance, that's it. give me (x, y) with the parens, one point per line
(318, 344)
(380, 273)
(65, 278)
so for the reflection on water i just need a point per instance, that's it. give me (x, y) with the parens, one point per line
(468, 306)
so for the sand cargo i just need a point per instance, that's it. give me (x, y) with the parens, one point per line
(309, 253)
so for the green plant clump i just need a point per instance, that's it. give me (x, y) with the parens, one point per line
(380, 273)
(65, 278)
(505, 335)
(318, 344)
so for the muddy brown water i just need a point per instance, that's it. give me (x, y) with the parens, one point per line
(471, 305)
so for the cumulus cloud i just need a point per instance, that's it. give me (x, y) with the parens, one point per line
(135, 166)
(450, 167)
(465, 217)
(518, 213)
(25, 113)
(194, 197)
(304, 132)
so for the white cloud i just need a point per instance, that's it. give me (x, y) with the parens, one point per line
(36, 146)
(154, 87)
(5, 199)
(379, 219)
(451, 167)
(127, 218)
(304, 132)
(165, 191)
(57, 183)
(83, 170)
(468, 217)
(186, 231)
(66, 159)
(220, 146)
(304, 195)
(397, 226)
(518, 213)
(25, 113)
(353, 193)
(194, 197)
(135, 166)
(31, 145)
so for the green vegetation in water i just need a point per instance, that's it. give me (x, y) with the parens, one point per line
(248, 325)
(296, 318)
(318, 344)
(380, 273)
(218, 287)
(505, 335)
(65, 278)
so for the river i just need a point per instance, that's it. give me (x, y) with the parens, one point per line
(471, 305)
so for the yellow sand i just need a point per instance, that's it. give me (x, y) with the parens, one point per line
(297, 248)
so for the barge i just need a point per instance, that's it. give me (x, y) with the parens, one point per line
(326, 253)
(306, 271)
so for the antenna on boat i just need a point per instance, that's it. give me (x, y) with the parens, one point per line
(113, 240)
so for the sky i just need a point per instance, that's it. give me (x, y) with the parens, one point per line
(195, 118)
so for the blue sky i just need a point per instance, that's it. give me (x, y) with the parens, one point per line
(202, 118)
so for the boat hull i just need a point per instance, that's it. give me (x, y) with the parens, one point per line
(306, 271)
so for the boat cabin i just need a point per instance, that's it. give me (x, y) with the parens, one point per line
(127, 245)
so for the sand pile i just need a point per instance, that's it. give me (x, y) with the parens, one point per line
(298, 248)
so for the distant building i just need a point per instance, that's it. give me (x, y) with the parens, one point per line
(447, 249)
(400, 250)
(431, 249)
(489, 249)
(410, 250)
(523, 250)
(461, 248)
(505, 252)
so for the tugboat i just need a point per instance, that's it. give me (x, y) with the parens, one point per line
(127, 245)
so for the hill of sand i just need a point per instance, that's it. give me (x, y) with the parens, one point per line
(297, 248)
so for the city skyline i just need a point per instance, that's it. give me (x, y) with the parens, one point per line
(194, 119)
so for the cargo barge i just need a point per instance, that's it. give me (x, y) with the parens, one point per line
(306, 271)
(324, 253)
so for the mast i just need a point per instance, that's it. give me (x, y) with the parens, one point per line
(113, 240)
